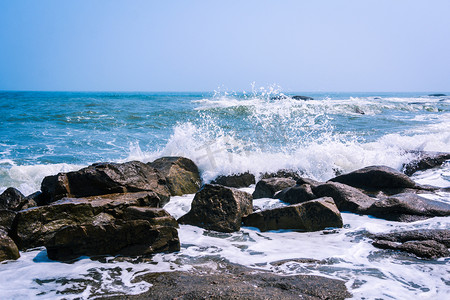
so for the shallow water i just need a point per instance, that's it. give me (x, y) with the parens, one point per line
(45, 133)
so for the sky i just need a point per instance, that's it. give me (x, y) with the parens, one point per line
(320, 45)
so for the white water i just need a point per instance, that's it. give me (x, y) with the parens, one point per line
(346, 254)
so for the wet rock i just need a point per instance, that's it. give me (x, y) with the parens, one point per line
(239, 283)
(303, 180)
(238, 180)
(347, 198)
(35, 226)
(282, 174)
(130, 238)
(298, 97)
(181, 174)
(376, 178)
(105, 178)
(308, 216)
(218, 208)
(6, 219)
(427, 243)
(407, 208)
(296, 194)
(8, 249)
(266, 188)
(426, 160)
(11, 199)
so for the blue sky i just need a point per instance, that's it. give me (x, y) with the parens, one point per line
(323, 45)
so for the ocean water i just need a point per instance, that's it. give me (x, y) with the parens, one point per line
(43, 133)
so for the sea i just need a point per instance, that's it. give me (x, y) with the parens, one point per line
(225, 132)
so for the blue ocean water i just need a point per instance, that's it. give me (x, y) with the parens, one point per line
(222, 132)
(43, 133)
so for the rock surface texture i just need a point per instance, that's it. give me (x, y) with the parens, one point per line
(427, 243)
(218, 208)
(8, 249)
(266, 188)
(312, 215)
(105, 178)
(181, 174)
(236, 181)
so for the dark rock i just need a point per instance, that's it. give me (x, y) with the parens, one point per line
(427, 243)
(296, 194)
(376, 178)
(35, 226)
(308, 216)
(407, 208)
(303, 180)
(426, 160)
(130, 238)
(437, 95)
(238, 283)
(238, 180)
(181, 173)
(11, 199)
(105, 178)
(6, 219)
(298, 97)
(218, 208)
(282, 174)
(266, 188)
(439, 235)
(8, 250)
(347, 198)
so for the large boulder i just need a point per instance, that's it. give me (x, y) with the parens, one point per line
(8, 249)
(181, 174)
(218, 208)
(11, 199)
(347, 198)
(266, 188)
(141, 231)
(237, 180)
(376, 178)
(427, 243)
(407, 208)
(308, 216)
(283, 173)
(296, 194)
(6, 219)
(425, 161)
(35, 226)
(105, 178)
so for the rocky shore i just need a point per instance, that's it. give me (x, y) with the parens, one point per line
(117, 209)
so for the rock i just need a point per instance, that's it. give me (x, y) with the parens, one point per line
(218, 208)
(181, 174)
(302, 98)
(266, 188)
(407, 208)
(282, 174)
(437, 95)
(238, 180)
(296, 194)
(36, 226)
(376, 178)
(105, 178)
(427, 243)
(347, 198)
(11, 199)
(6, 219)
(8, 250)
(232, 282)
(130, 238)
(308, 216)
(426, 160)
(311, 182)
